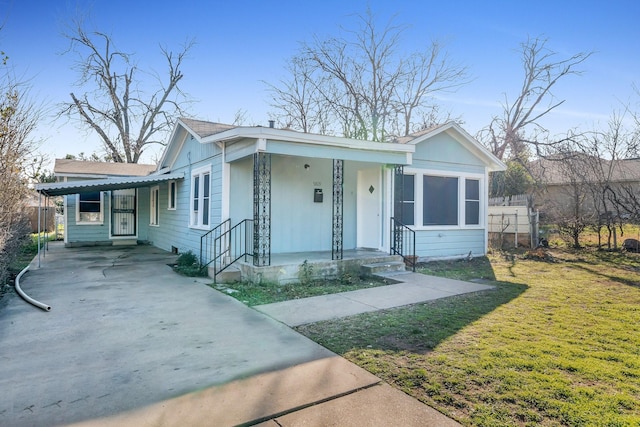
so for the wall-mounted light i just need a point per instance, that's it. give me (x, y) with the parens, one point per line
(306, 166)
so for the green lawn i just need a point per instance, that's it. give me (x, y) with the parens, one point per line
(557, 342)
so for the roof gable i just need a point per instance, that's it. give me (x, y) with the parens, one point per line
(203, 129)
(197, 129)
(462, 137)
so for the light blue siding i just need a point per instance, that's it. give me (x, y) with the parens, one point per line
(241, 190)
(173, 230)
(86, 233)
(449, 243)
(196, 154)
(298, 224)
(443, 152)
(144, 213)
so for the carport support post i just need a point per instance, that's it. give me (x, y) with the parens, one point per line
(46, 225)
(39, 224)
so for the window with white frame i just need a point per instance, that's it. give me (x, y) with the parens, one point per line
(154, 207)
(404, 209)
(200, 195)
(440, 200)
(172, 195)
(472, 202)
(89, 208)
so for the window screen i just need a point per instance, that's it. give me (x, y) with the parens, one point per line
(90, 207)
(440, 200)
(472, 202)
(404, 206)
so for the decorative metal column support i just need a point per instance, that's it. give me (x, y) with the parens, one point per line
(261, 209)
(338, 180)
(398, 205)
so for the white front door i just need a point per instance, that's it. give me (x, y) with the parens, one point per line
(369, 209)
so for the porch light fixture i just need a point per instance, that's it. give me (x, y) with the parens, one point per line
(306, 166)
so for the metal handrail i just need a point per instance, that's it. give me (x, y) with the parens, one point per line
(208, 240)
(403, 243)
(228, 245)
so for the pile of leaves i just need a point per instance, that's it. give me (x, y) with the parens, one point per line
(538, 254)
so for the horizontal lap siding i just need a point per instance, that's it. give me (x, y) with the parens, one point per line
(449, 243)
(447, 167)
(86, 233)
(144, 214)
(173, 230)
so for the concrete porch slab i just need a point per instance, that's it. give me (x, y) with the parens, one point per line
(287, 267)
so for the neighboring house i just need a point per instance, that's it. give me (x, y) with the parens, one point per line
(86, 220)
(583, 186)
(226, 191)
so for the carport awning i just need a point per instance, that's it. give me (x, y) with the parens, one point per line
(107, 184)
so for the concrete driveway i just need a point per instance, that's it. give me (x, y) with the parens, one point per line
(130, 343)
(125, 332)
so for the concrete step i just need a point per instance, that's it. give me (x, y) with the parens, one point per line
(378, 268)
(229, 275)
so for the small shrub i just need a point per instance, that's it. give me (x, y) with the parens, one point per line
(305, 273)
(349, 274)
(187, 259)
(187, 264)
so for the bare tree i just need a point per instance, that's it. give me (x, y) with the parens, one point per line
(362, 82)
(115, 105)
(619, 166)
(18, 118)
(518, 129)
(595, 180)
(566, 205)
(296, 100)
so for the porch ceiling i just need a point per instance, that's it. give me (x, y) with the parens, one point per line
(73, 187)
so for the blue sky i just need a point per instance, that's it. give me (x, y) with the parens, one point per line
(240, 44)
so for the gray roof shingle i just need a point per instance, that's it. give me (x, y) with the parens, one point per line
(204, 129)
(79, 167)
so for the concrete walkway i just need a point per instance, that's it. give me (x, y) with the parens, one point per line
(130, 343)
(414, 288)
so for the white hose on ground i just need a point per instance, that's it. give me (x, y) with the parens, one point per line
(26, 297)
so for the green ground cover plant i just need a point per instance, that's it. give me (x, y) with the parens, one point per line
(188, 265)
(556, 342)
(27, 251)
(266, 293)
